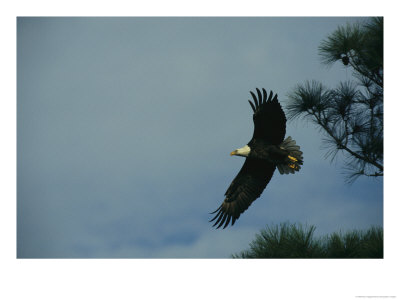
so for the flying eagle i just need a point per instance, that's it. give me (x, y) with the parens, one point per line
(266, 150)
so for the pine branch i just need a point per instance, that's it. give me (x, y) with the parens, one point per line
(364, 73)
(342, 146)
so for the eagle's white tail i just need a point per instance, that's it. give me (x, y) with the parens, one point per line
(294, 159)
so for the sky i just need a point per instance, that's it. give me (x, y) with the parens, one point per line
(125, 125)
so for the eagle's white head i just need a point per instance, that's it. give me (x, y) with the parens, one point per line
(242, 151)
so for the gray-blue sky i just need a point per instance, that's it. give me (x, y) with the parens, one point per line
(125, 127)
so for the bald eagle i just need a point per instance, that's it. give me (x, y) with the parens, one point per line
(266, 151)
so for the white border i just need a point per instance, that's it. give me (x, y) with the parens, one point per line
(195, 279)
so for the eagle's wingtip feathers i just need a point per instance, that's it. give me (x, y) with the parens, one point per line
(223, 218)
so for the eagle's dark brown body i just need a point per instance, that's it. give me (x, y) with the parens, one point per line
(272, 153)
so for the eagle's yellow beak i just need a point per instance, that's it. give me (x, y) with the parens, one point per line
(234, 152)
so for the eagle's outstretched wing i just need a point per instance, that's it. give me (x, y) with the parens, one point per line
(269, 118)
(244, 189)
